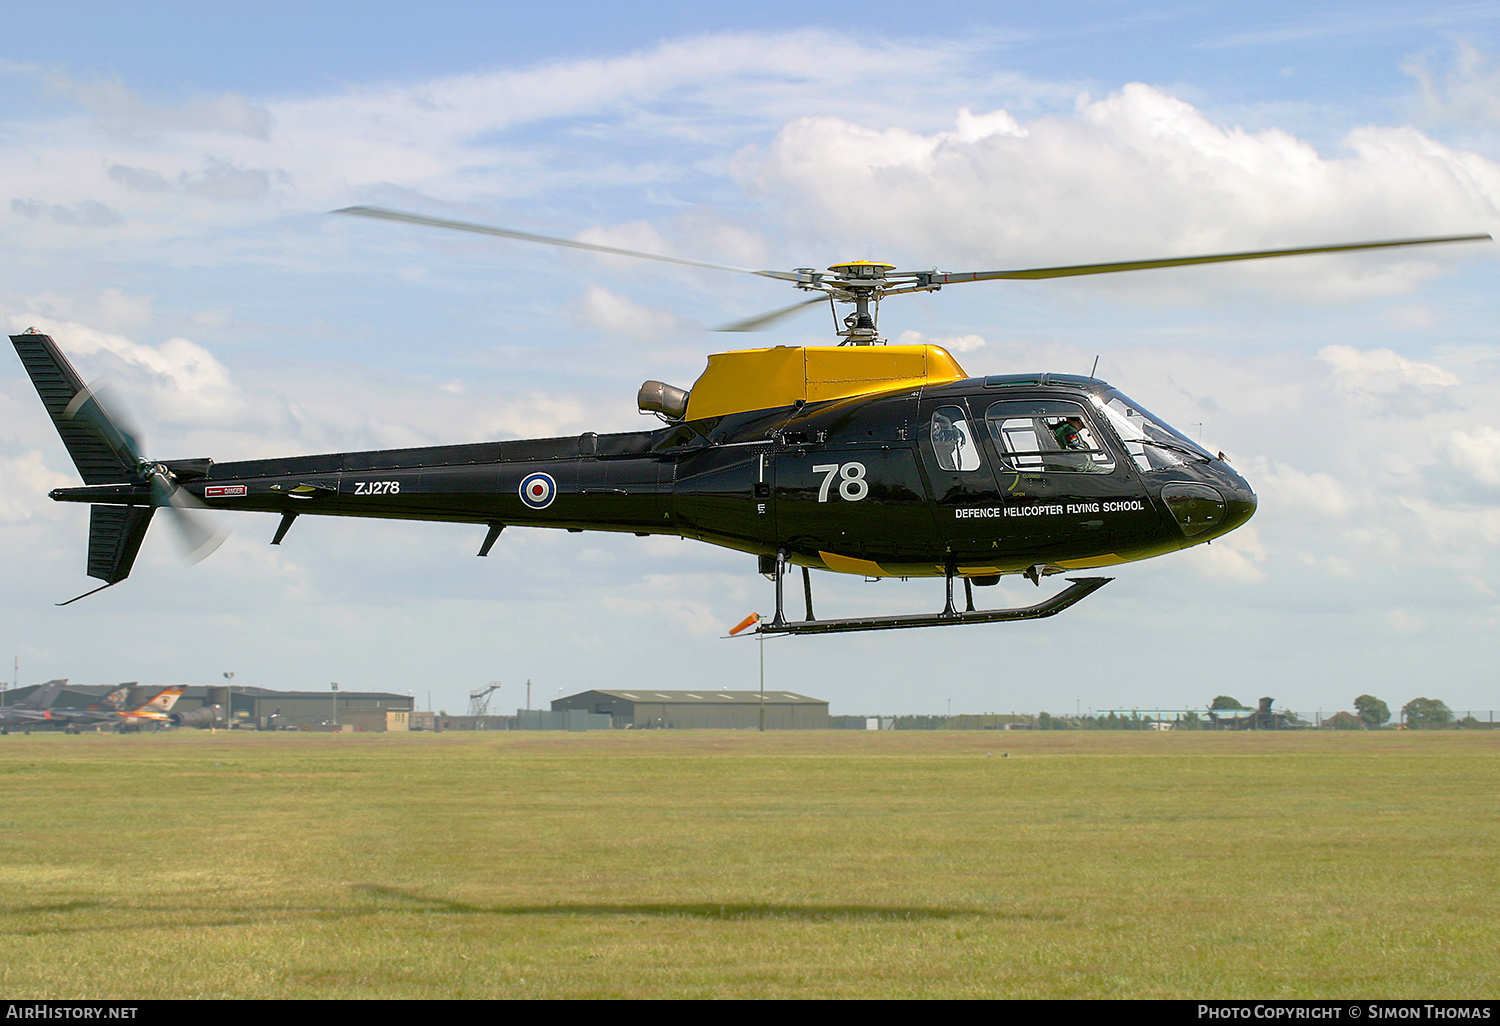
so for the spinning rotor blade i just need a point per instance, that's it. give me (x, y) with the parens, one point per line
(196, 540)
(96, 406)
(762, 321)
(507, 233)
(946, 278)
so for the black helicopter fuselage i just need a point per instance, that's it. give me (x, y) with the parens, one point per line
(974, 478)
(861, 458)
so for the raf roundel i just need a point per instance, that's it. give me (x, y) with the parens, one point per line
(538, 490)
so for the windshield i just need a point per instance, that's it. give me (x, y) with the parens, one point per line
(1151, 442)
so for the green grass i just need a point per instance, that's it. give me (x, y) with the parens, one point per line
(694, 864)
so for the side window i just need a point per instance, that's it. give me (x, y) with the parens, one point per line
(952, 440)
(1047, 434)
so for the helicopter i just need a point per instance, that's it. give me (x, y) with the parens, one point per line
(858, 458)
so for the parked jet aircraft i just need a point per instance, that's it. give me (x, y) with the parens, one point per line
(35, 708)
(111, 711)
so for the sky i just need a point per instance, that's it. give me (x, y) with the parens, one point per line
(164, 214)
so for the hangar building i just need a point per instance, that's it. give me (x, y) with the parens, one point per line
(701, 710)
(258, 707)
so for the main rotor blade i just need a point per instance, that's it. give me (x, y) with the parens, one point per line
(506, 233)
(762, 321)
(948, 278)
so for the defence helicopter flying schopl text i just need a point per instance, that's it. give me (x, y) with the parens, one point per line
(860, 458)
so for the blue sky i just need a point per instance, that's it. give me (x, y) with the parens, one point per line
(164, 215)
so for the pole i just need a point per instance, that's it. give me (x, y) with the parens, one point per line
(335, 703)
(762, 682)
(229, 703)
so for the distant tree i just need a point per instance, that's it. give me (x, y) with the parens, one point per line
(1190, 721)
(1372, 710)
(1426, 712)
(1225, 702)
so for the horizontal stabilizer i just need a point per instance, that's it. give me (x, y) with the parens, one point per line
(99, 459)
(115, 535)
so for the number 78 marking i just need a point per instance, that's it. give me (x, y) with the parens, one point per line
(852, 488)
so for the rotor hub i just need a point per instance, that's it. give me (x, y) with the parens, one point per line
(862, 270)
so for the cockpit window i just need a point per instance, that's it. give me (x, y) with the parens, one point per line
(952, 441)
(1046, 434)
(1151, 443)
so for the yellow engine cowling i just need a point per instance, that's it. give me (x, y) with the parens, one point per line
(761, 379)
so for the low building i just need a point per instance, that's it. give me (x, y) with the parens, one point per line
(700, 710)
(260, 708)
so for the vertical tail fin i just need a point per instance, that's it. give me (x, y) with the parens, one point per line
(99, 447)
(163, 702)
(43, 697)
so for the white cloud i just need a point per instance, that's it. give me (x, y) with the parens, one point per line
(1235, 557)
(1138, 174)
(613, 314)
(120, 109)
(84, 214)
(1412, 316)
(1288, 488)
(27, 480)
(217, 179)
(1404, 621)
(1468, 92)
(953, 343)
(1477, 451)
(1382, 371)
(184, 378)
(681, 600)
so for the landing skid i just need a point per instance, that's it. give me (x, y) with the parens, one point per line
(1079, 588)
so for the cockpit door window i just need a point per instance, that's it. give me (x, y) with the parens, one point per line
(1046, 435)
(953, 440)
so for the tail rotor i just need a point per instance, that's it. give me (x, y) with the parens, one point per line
(97, 406)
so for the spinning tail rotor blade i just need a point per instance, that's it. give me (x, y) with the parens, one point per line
(97, 406)
(950, 278)
(760, 322)
(196, 540)
(507, 233)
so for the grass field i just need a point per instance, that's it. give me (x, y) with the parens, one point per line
(693, 864)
